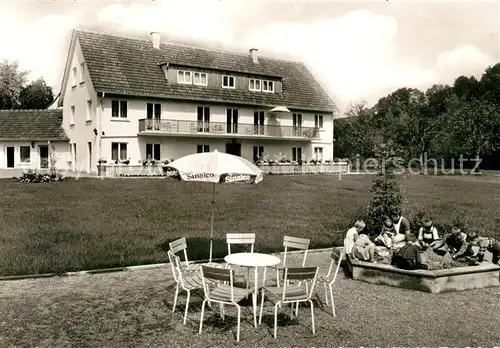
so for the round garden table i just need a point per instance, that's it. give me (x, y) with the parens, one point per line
(254, 260)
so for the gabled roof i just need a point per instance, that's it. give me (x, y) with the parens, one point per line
(32, 125)
(132, 66)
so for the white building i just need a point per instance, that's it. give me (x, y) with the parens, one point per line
(33, 139)
(130, 99)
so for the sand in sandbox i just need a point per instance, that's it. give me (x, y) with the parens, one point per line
(429, 257)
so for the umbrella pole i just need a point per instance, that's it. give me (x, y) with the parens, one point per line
(212, 222)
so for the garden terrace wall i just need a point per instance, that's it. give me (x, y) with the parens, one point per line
(295, 169)
(127, 170)
(436, 281)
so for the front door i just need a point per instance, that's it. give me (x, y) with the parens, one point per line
(89, 157)
(258, 122)
(233, 149)
(232, 121)
(44, 156)
(10, 156)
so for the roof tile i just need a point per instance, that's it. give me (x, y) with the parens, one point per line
(129, 66)
(32, 125)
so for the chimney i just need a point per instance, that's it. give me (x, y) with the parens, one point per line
(254, 55)
(155, 39)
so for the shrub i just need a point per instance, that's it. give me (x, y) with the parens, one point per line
(33, 176)
(387, 195)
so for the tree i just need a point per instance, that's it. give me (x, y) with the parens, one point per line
(473, 128)
(466, 88)
(354, 134)
(12, 81)
(398, 117)
(427, 127)
(36, 95)
(15, 94)
(489, 85)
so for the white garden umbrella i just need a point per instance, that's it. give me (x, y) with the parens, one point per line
(214, 167)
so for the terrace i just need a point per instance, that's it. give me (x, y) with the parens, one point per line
(134, 309)
(162, 127)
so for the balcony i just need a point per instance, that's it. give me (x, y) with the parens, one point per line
(161, 127)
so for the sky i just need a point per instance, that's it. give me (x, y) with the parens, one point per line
(357, 50)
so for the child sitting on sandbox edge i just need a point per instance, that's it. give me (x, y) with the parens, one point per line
(357, 243)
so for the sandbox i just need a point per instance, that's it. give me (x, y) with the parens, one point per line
(433, 281)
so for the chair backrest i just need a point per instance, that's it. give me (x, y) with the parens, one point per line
(175, 264)
(296, 243)
(179, 245)
(333, 262)
(300, 274)
(214, 274)
(240, 238)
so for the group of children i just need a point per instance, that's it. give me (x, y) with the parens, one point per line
(406, 246)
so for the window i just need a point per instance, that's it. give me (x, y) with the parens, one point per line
(203, 118)
(228, 81)
(82, 73)
(254, 85)
(200, 79)
(153, 151)
(318, 121)
(73, 78)
(118, 151)
(268, 86)
(296, 154)
(318, 154)
(184, 77)
(24, 152)
(89, 110)
(153, 110)
(258, 153)
(72, 115)
(202, 148)
(119, 108)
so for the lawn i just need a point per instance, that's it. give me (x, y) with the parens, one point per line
(134, 309)
(92, 223)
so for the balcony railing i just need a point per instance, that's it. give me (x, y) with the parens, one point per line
(224, 129)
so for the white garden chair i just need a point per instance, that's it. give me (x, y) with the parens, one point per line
(291, 293)
(187, 283)
(241, 239)
(179, 245)
(328, 280)
(292, 243)
(221, 293)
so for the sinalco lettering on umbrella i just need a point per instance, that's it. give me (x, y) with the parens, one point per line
(236, 177)
(245, 178)
(197, 176)
(172, 172)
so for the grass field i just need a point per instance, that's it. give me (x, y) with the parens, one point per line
(92, 223)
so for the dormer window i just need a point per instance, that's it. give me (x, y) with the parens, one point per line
(184, 77)
(254, 85)
(227, 81)
(199, 79)
(267, 86)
